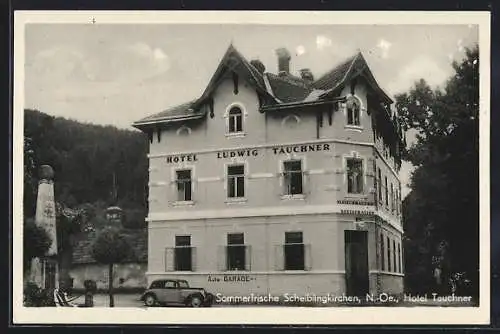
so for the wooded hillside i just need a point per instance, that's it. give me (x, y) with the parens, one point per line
(94, 165)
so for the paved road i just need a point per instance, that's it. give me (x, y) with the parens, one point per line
(121, 300)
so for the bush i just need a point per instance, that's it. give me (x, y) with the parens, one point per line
(37, 297)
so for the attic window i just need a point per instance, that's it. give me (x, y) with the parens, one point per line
(353, 109)
(183, 131)
(235, 120)
(290, 121)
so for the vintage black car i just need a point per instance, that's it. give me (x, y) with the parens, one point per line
(175, 291)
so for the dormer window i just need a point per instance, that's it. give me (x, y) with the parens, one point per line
(353, 108)
(235, 120)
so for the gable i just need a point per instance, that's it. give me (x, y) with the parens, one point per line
(234, 62)
(354, 67)
(274, 91)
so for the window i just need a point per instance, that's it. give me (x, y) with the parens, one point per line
(294, 251)
(379, 185)
(183, 253)
(354, 176)
(392, 197)
(183, 284)
(397, 202)
(183, 131)
(386, 193)
(292, 177)
(400, 204)
(236, 181)
(395, 268)
(353, 107)
(399, 258)
(157, 285)
(170, 285)
(184, 185)
(235, 251)
(235, 120)
(382, 251)
(290, 121)
(388, 254)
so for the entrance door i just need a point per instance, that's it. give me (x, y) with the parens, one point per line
(356, 262)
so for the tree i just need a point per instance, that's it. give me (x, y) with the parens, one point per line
(441, 214)
(30, 181)
(36, 241)
(111, 247)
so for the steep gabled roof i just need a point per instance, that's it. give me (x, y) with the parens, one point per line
(233, 60)
(335, 76)
(284, 89)
(182, 111)
(336, 79)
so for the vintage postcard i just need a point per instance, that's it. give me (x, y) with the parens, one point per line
(251, 167)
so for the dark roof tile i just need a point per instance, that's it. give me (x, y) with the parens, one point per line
(333, 77)
(181, 110)
(287, 88)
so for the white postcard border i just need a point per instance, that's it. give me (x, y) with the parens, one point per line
(251, 315)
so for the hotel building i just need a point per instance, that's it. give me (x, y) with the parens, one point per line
(278, 183)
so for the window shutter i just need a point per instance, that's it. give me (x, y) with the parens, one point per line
(248, 258)
(169, 259)
(307, 257)
(193, 258)
(172, 191)
(221, 258)
(279, 257)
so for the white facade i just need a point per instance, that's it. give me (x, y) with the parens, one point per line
(283, 226)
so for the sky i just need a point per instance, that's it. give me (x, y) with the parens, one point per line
(115, 74)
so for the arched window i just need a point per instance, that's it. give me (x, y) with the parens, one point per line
(353, 107)
(235, 120)
(290, 121)
(183, 131)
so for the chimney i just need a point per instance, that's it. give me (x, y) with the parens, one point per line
(283, 61)
(258, 65)
(306, 75)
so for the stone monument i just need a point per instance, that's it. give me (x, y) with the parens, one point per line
(44, 270)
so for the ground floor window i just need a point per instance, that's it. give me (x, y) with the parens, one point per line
(183, 253)
(382, 251)
(294, 251)
(395, 268)
(388, 254)
(236, 250)
(399, 258)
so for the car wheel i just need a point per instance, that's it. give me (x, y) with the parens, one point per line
(150, 300)
(195, 301)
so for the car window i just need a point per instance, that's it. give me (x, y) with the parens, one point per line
(183, 284)
(156, 285)
(170, 285)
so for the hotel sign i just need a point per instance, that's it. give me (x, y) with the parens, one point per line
(245, 153)
(360, 207)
